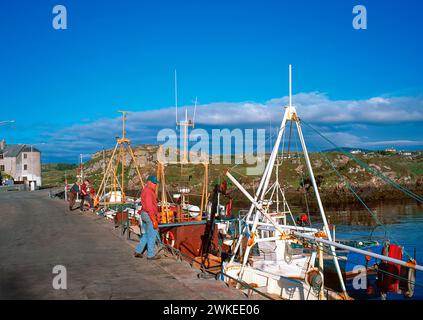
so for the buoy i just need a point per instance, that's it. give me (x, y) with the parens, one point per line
(314, 279)
(169, 239)
(408, 286)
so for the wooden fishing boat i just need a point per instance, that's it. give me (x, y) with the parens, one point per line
(185, 225)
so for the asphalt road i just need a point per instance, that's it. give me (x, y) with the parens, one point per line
(38, 233)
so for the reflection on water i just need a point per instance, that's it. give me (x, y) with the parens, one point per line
(403, 224)
(387, 213)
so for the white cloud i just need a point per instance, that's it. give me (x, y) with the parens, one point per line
(313, 107)
(403, 143)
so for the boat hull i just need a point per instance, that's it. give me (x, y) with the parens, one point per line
(276, 286)
(350, 262)
(188, 238)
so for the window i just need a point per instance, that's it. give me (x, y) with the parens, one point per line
(25, 167)
(2, 168)
(1, 156)
(25, 156)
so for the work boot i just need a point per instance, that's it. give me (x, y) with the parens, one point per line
(138, 255)
(156, 257)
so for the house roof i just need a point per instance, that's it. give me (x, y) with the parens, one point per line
(13, 150)
(28, 148)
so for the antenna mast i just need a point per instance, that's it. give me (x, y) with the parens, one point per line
(81, 168)
(124, 113)
(195, 111)
(290, 85)
(176, 96)
(185, 123)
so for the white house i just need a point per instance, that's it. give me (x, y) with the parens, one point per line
(22, 162)
(391, 150)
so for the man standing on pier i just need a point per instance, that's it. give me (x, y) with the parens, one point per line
(149, 216)
(85, 195)
(74, 190)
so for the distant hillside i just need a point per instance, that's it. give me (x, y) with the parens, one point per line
(54, 174)
(347, 149)
(406, 170)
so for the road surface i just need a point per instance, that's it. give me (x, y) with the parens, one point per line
(38, 233)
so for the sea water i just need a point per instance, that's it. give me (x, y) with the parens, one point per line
(402, 224)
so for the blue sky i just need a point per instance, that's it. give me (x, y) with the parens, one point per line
(63, 87)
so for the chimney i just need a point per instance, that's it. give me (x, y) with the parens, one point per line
(2, 144)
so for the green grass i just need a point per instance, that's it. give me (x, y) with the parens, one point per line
(416, 168)
(54, 174)
(192, 175)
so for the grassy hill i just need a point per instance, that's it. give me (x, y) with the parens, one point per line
(54, 174)
(406, 170)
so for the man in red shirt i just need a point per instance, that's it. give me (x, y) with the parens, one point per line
(149, 217)
(82, 194)
(85, 195)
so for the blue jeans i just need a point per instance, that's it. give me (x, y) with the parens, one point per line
(148, 238)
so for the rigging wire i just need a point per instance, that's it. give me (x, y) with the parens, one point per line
(369, 168)
(303, 185)
(255, 149)
(358, 198)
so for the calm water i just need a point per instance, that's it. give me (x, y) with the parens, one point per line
(403, 225)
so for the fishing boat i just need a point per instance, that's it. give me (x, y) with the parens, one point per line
(112, 192)
(294, 261)
(187, 217)
(184, 225)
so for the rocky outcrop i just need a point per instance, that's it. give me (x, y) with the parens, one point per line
(293, 174)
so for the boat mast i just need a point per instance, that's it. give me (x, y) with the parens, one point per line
(261, 190)
(319, 202)
(269, 167)
(289, 115)
(117, 158)
(183, 124)
(183, 158)
(176, 98)
(290, 85)
(313, 181)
